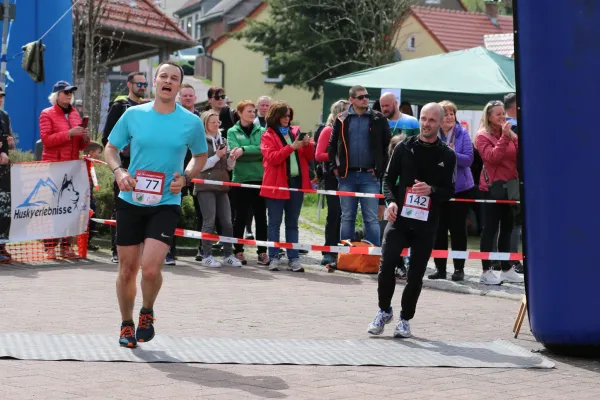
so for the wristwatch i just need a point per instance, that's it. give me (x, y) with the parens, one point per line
(188, 180)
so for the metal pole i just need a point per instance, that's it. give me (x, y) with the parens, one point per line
(5, 22)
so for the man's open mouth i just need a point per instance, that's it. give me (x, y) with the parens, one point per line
(166, 89)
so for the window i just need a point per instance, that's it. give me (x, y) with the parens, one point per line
(182, 25)
(189, 26)
(411, 43)
(271, 79)
(196, 17)
(198, 32)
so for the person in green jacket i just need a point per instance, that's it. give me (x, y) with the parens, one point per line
(244, 143)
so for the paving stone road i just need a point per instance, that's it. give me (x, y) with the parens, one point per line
(254, 303)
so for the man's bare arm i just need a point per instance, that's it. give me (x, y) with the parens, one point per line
(124, 180)
(195, 165)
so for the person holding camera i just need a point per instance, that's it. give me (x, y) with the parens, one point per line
(286, 153)
(214, 200)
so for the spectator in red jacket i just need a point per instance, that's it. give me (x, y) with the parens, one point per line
(498, 145)
(61, 132)
(63, 138)
(286, 153)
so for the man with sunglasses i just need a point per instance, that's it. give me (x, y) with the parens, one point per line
(217, 101)
(136, 84)
(358, 154)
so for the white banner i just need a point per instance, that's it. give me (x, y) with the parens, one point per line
(49, 200)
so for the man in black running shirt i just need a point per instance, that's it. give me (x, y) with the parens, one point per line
(419, 177)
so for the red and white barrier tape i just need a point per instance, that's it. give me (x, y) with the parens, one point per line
(327, 192)
(373, 251)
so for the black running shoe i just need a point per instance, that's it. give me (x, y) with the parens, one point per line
(145, 330)
(127, 338)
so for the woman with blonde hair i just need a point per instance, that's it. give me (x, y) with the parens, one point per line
(334, 211)
(498, 147)
(214, 200)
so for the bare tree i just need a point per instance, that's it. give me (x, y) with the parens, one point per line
(94, 52)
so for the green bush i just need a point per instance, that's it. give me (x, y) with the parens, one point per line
(17, 156)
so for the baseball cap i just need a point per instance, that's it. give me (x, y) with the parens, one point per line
(78, 102)
(62, 86)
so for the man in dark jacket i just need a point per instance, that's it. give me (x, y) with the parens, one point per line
(419, 178)
(136, 83)
(358, 156)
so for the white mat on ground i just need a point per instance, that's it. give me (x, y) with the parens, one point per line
(382, 351)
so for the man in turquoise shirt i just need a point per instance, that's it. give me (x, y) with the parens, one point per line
(399, 122)
(148, 207)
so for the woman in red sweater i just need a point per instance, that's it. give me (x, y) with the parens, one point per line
(498, 147)
(286, 153)
(334, 211)
(63, 138)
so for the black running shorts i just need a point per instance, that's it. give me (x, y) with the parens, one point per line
(137, 223)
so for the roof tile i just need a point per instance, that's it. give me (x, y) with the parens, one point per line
(459, 30)
(141, 16)
(501, 43)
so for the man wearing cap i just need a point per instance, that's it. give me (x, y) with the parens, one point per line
(79, 106)
(63, 138)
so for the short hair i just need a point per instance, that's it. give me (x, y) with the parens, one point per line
(187, 86)
(355, 89)
(261, 98)
(171, 63)
(53, 98)
(93, 146)
(277, 111)
(241, 106)
(206, 116)
(215, 90)
(133, 75)
(510, 100)
(447, 105)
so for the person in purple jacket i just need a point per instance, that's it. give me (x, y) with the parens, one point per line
(453, 216)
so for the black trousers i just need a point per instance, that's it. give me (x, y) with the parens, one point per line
(395, 239)
(334, 213)
(494, 216)
(242, 197)
(453, 218)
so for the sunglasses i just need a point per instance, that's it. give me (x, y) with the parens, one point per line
(222, 97)
(287, 116)
(362, 97)
(141, 84)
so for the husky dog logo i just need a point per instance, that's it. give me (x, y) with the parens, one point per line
(67, 195)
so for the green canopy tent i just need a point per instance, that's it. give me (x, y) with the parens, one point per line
(469, 78)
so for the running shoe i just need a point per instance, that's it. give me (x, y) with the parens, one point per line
(274, 264)
(211, 262)
(458, 275)
(438, 274)
(295, 266)
(231, 261)
(511, 276)
(490, 278)
(263, 259)
(249, 235)
(127, 338)
(327, 259)
(115, 258)
(402, 329)
(199, 255)
(381, 319)
(240, 256)
(145, 330)
(170, 260)
(93, 247)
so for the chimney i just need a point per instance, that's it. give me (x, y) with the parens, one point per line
(491, 9)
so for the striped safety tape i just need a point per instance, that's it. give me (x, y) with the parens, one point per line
(319, 191)
(373, 251)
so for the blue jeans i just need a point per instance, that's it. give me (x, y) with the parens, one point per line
(363, 182)
(275, 210)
